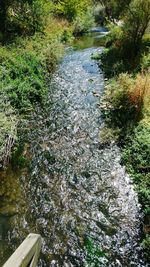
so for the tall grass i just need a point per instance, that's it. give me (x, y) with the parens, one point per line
(25, 68)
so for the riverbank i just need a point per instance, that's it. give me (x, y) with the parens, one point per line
(26, 66)
(75, 193)
(126, 108)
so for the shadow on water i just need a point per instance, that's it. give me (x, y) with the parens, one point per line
(75, 193)
(91, 39)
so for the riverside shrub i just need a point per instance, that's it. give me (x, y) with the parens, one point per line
(128, 108)
(129, 98)
(25, 67)
(24, 70)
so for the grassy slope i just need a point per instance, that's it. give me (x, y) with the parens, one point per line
(25, 66)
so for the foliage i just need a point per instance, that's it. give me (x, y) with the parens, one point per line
(70, 9)
(146, 242)
(136, 22)
(137, 152)
(136, 156)
(25, 16)
(23, 76)
(78, 12)
(128, 98)
(96, 56)
(23, 71)
(83, 22)
(114, 8)
(126, 44)
(145, 61)
(127, 108)
(112, 62)
(99, 14)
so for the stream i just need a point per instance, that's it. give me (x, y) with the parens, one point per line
(75, 193)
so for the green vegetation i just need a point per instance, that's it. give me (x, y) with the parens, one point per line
(126, 102)
(113, 9)
(32, 35)
(79, 13)
(25, 66)
(126, 44)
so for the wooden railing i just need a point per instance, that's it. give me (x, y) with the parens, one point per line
(27, 254)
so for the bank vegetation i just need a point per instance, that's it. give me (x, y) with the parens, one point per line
(126, 101)
(32, 38)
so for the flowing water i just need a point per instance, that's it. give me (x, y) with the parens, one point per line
(75, 193)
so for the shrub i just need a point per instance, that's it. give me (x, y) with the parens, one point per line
(128, 98)
(83, 22)
(136, 156)
(136, 22)
(70, 9)
(23, 17)
(145, 62)
(24, 70)
(112, 62)
(22, 78)
(137, 152)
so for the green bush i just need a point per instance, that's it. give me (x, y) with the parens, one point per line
(128, 99)
(136, 156)
(83, 22)
(23, 17)
(145, 62)
(24, 72)
(122, 110)
(137, 152)
(22, 78)
(70, 9)
(112, 62)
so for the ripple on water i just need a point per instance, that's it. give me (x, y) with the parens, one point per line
(78, 196)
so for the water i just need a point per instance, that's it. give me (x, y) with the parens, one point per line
(75, 193)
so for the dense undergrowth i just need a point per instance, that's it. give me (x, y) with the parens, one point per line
(126, 101)
(32, 37)
(25, 67)
(126, 105)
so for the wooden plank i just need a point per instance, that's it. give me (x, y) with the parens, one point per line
(27, 253)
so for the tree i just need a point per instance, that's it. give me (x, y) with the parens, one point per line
(136, 21)
(114, 8)
(70, 9)
(28, 14)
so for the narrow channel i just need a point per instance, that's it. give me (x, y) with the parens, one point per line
(75, 194)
